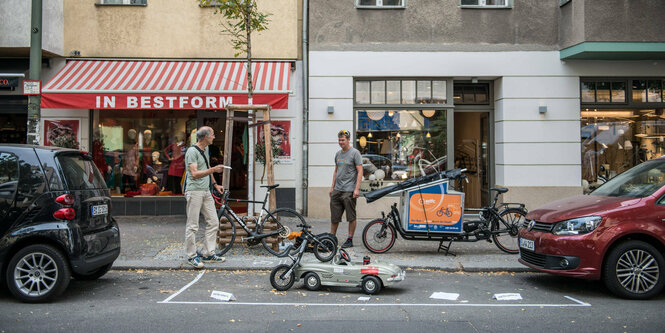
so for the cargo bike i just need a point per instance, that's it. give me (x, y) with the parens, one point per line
(431, 210)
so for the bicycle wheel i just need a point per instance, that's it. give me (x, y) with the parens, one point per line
(280, 283)
(282, 221)
(379, 236)
(506, 241)
(226, 234)
(325, 251)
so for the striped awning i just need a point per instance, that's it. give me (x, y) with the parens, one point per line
(125, 84)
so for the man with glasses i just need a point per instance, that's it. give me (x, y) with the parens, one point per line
(345, 187)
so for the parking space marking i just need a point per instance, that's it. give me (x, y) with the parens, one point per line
(184, 288)
(577, 303)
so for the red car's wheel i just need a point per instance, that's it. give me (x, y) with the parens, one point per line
(379, 236)
(634, 269)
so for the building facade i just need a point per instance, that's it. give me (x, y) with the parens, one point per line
(131, 80)
(543, 97)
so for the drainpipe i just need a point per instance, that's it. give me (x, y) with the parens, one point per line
(305, 103)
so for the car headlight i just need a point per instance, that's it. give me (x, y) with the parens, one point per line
(578, 226)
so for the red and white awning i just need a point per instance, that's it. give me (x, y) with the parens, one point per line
(119, 84)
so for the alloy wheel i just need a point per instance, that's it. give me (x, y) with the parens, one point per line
(637, 271)
(36, 274)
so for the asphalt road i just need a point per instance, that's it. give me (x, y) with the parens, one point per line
(180, 301)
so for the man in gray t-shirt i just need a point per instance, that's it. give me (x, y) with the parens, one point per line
(345, 187)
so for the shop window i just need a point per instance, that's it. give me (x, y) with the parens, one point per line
(400, 144)
(123, 2)
(378, 92)
(603, 92)
(639, 91)
(471, 94)
(142, 152)
(614, 141)
(486, 3)
(654, 91)
(380, 4)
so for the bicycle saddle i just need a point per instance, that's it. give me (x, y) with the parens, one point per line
(344, 255)
(270, 187)
(499, 189)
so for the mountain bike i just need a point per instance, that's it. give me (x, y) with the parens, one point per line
(271, 226)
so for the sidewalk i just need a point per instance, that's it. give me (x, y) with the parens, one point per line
(157, 242)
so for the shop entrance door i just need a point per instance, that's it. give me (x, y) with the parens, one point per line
(238, 174)
(472, 144)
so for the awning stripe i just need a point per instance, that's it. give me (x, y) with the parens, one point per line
(110, 76)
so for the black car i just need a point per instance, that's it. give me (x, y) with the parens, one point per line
(55, 220)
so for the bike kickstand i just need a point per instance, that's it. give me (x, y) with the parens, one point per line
(446, 248)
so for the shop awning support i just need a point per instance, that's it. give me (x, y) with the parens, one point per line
(268, 142)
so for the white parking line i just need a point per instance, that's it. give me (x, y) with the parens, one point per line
(183, 288)
(576, 304)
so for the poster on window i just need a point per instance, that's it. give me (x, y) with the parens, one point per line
(61, 133)
(280, 130)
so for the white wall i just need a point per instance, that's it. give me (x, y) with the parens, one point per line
(530, 149)
(288, 174)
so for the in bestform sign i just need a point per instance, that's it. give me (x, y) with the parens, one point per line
(156, 101)
(164, 102)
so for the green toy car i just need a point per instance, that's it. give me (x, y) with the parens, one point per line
(371, 277)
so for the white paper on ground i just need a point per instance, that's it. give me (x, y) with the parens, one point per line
(507, 297)
(222, 296)
(363, 298)
(445, 296)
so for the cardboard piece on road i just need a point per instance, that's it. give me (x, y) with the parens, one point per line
(222, 296)
(445, 296)
(363, 298)
(507, 297)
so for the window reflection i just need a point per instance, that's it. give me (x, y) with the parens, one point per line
(400, 144)
(614, 141)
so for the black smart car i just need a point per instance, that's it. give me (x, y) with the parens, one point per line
(55, 220)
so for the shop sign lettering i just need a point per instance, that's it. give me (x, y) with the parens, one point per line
(164, 102)
(6, 82)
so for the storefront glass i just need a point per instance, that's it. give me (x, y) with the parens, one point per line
(400, 144)
(401, 128)
(142, 152)
(614, 141)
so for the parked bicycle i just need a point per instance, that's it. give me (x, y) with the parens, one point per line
(497, 222)
(271, 226)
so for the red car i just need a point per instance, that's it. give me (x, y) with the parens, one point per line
(616, 233)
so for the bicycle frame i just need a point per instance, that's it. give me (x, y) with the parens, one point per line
(252, 235)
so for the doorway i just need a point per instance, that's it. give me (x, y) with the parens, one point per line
(472, 146)
(239, 173)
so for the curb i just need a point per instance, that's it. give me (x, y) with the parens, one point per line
(221, 267)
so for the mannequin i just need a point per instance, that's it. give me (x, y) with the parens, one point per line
(130, 164)
(146, 150)
(176, 155)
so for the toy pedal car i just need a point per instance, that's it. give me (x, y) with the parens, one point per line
(340, 272)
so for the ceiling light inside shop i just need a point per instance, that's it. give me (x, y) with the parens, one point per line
(428, 113)
(375, 115)
(609, 114)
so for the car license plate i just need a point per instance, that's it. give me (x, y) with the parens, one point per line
(527, 244)
(100, 210)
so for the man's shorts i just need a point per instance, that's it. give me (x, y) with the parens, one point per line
(340, 202)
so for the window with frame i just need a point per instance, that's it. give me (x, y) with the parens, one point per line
(486, 3)
(122, 2)
(400, 129)
(380, 4)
